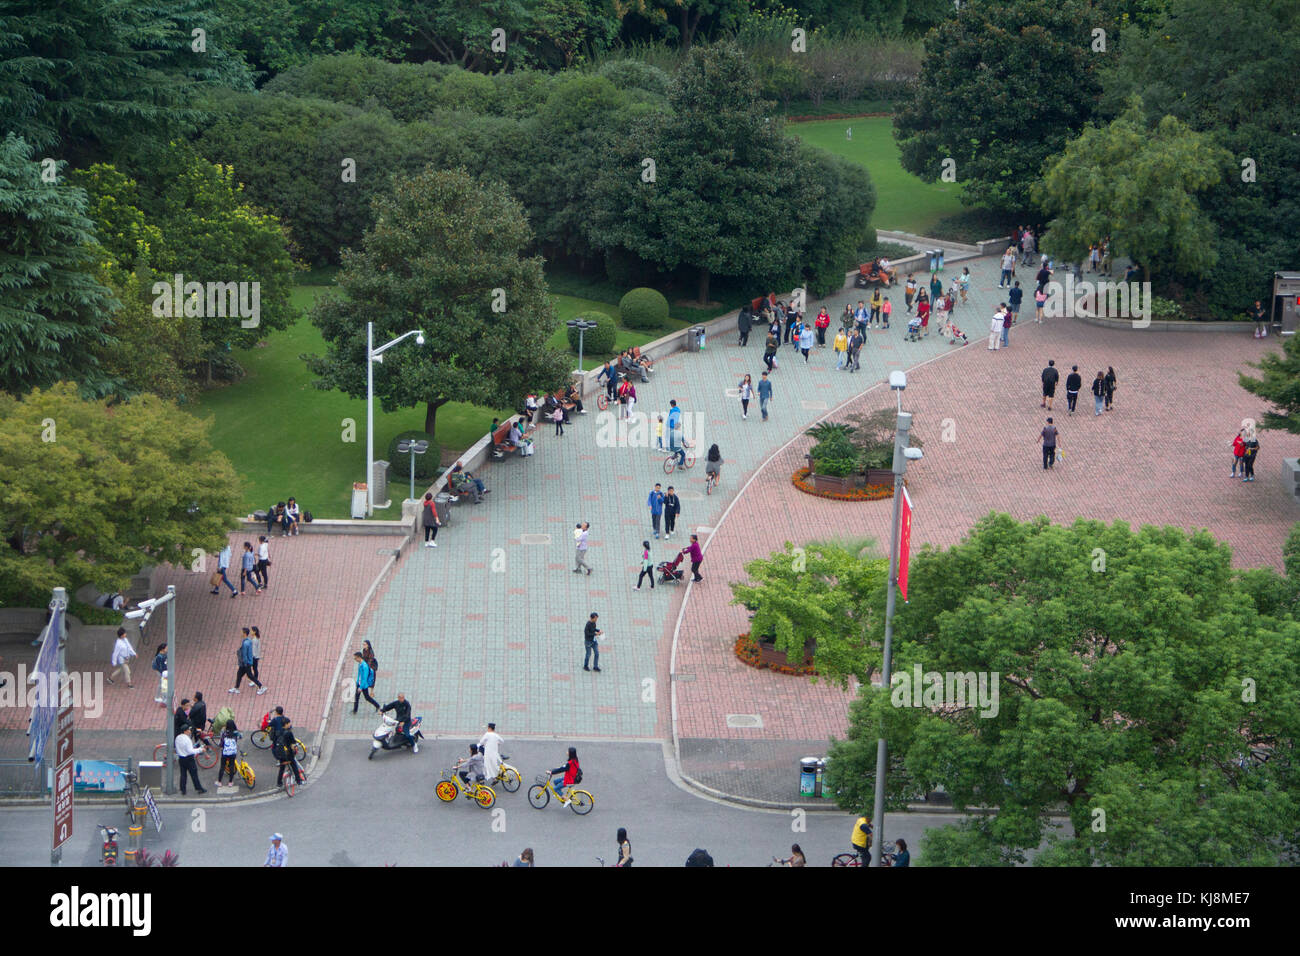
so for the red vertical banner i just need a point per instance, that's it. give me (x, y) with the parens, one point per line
(904, 544)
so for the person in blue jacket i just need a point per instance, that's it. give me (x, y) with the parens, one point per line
(365, 681)
(656, 504)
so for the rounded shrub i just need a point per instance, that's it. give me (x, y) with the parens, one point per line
(635, 75)
(426, 465)
(597, 341)
(643, 309)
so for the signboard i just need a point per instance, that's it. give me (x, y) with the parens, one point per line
(153, 809)
(904, 544)
(63, 787)
(46, 678)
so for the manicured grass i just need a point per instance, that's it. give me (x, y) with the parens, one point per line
(903, 202)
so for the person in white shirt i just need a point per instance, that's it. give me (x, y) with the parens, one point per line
(293, 513)
(995, 332)
(122, 654)
(263, 560)
(580, 547)
(186, 749)
(490, 746)
(223, 564)
(278, 854)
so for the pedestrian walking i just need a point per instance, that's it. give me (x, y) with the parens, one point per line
(624, 848)
(431, 521)
(885, 311)
(1248, 456)
(995, 333)
(365, 681)
(1028, 246)
(186, 749)
(1006, 325)
(223, 564)
(278, 855)
(1008, 264)
(1050, 439)
(1050, 377)
(659, 433)
(1261, 320)
(647, 567)
(963, 283)
(1073, 382)
(244, 656)
(909, 293)
(923, 306)
(581, 545)
(672, 508)
(1040, 299)
(805, 342)
(858, 339)
(746, 389)
(1044, 275)
(656, 504)
(822, 324)
(769, 351)
(121, 658)
(876, 302)
(368, 653)
(264, 561)
(248, 569)
(591, 643)
(1014, 298)
(1110, 384)
(841, 348)
(525, 857)
(159, 664)
(764, 394)
(1238, 454)
(229, 750)
(696, 555)
(255, 640)
(1098, 392)
(744, 322)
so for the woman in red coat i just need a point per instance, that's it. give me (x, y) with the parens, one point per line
(822, 324)
(1239, 454)
(570, 771)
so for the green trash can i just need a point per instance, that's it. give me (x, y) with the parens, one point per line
(807, 776)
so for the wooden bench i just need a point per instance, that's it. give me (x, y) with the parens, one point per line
(869, 274)
(501, 438)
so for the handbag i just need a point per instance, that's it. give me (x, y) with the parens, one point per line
(215, 579)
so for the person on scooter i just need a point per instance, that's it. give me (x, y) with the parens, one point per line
(401, 709)
(570, 772)
(472, 771)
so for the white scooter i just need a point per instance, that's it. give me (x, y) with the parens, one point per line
(386, 737)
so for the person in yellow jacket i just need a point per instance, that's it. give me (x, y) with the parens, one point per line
(840, 348)
(862, 838)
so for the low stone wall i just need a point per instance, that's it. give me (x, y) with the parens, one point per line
(19, 622)
(1157, 325)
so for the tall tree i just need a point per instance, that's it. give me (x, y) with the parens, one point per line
(53, 312)
(1279, 385)
(89, 78)
(1138, 684)
(443, 256)
(714, 185)
(1003, 85)
(90, 494)
(1137, 185)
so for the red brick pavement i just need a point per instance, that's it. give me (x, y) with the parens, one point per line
(317, 582)
(1160, 457)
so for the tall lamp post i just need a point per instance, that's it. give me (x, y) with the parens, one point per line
(142, 613)
(374, 355)
(411, 449)
(582, 325)
(902, 455)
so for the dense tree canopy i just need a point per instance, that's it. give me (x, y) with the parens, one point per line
(1142, 687)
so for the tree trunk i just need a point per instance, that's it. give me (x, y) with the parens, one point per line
(431, 417)
(688, 29)
(704, 285)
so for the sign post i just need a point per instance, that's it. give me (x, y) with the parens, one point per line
(63, 785)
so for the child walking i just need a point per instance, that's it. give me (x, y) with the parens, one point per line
(647, 567)
(659, 433)
(557, 416)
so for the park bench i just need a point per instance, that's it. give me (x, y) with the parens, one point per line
(869, 273)
(501, 439)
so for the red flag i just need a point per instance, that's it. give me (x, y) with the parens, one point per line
(904, 544)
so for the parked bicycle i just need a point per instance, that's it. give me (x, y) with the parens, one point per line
(133, 794)
(244, 770)
(206, 758)
(539, 795)
(108, 854)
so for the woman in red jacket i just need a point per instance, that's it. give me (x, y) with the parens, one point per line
(1239, 454)
(822, 324)
(570, 771)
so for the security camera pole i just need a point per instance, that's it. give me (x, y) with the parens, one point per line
(374, 355)
(902, 454)
(142, 614)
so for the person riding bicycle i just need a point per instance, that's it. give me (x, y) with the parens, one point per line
(796, 857)
(401, 709)
(282, 749)
(571, 771)
(713, 462)
(862, 838)
(675, 442)
(473, 767)
(901, 856)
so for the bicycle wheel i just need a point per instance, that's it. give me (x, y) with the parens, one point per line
(539, 796)
(160, 753)
(690, 460)
(299, 750)
(510, 779)
(290, 781)
(207, 757)
(669, 465)
(445, 791)
(261, 739)
(485, 796)
(250, 778)
(846, 859)
(602, 401)
(581, 802)
(708, 485)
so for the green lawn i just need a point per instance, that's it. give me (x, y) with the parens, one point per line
(569, 306)
(903, 202)
(285, 437)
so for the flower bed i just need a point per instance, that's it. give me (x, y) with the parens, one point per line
(748, 652)
(870, 493)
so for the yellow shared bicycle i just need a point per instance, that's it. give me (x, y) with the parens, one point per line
(451, 787)
(539, 795)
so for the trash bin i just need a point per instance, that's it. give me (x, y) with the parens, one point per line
(821, 774)
(807, 776)
(934, 259)
(442, 501)
(939, 252)
(695, 338)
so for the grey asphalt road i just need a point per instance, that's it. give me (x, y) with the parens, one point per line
(359, 812)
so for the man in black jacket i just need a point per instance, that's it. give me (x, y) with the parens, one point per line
(672, 508)
(199, 712)
(181, 719)
(1073, 382)
(401, 709)
(1050, 378)
(744, 322)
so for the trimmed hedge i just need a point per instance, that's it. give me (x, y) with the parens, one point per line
(597, 341)
(426, 466)
(643, 309)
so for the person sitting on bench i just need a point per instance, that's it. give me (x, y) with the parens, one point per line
(464, 481)
(629, 365)
(571, 396)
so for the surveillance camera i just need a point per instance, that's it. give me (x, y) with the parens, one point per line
(148, 604)
(133, 615)
(913, 454)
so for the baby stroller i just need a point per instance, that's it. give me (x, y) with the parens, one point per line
(913, 329)
(954, 334)
(670, 571)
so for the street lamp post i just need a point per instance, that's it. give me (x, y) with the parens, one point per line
(902, 455)
(374, 355)
(582, 325)
(142, 613)
(411, 449)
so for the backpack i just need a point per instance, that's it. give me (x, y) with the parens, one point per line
(577, 777)
(699, 858)
(159, 662)
(306, 516)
